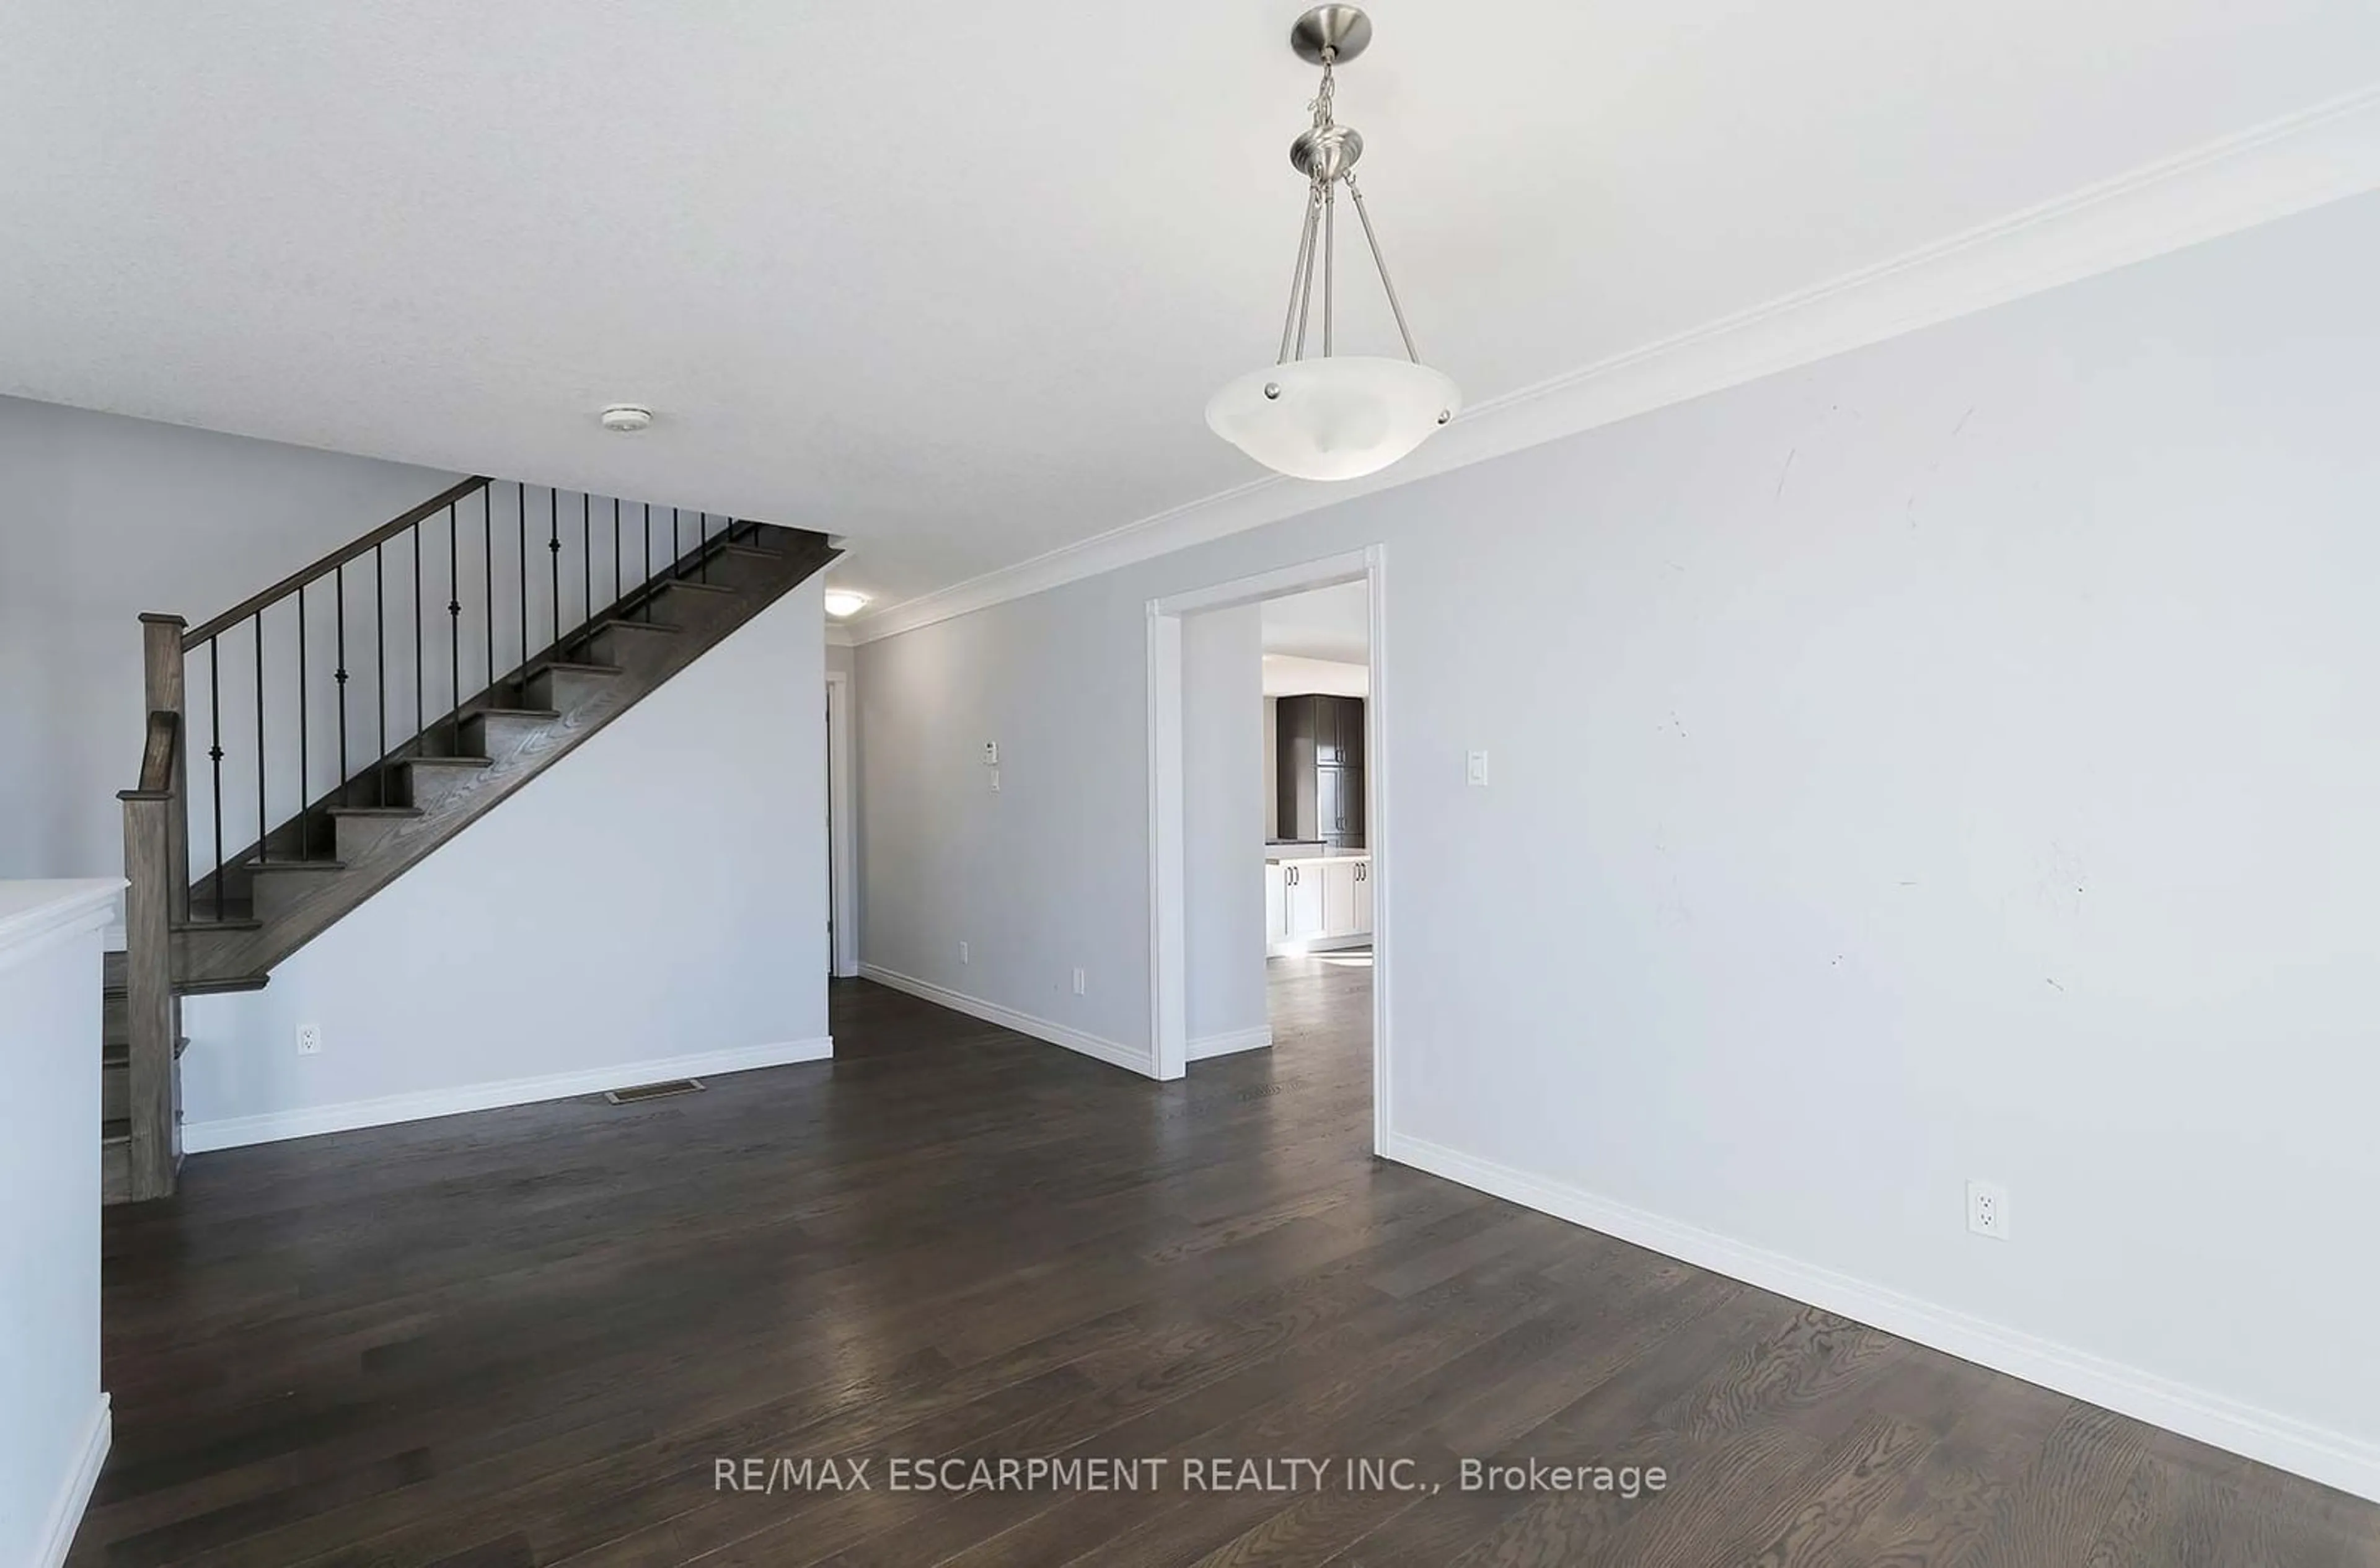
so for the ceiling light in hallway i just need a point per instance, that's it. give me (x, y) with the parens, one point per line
(841, 602)
(1333, 416)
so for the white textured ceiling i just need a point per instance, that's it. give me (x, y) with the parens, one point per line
(956, 280)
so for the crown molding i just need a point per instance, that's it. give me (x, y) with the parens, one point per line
(838, 634)
(2301, 160)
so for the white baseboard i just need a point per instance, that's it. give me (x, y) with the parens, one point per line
(1231, 1041)
(2333, 1458)
(234, 1132)
(1116, 1056)
(66, 1514)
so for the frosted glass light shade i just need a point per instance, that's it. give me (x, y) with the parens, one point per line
(1333, 418)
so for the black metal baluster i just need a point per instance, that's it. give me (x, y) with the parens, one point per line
(379, 675)
(454, 624)
(215, 756)
(340, 674)
(305, 774)
(256, 626)
(420, 727)
(553, 556)
(487, 538)
(521, 500)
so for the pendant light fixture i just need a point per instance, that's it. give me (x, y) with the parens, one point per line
(1337, 416)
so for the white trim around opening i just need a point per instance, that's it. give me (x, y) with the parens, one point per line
(842, 837)
(1168, 967)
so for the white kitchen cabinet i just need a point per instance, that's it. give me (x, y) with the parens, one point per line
(1305, 901)
(1317, 901)
(1338, 881)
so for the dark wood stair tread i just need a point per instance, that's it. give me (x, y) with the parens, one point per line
(701, 587)
(443, 761)
(117, 1131)
(513, 713)
(230, 922)
(296, 866)
(568, 667)
(618, 622)
(760, 551)
(375, 810)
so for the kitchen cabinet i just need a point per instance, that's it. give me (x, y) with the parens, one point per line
(1303, 908)
(1319, 901)
(1339, 897)
(1318, 751)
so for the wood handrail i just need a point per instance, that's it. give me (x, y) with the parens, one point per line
(335, 559)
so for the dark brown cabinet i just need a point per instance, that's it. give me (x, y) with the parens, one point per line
(1318, 747)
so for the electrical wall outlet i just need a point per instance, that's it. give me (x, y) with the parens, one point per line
(963, 953)
(995, 781)
(1987, 1209)
(1476, 770)
(309, 1039)
(1078, 982)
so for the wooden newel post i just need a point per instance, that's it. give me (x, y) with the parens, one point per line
(156, 870)
(149, 1000)
(160, 677)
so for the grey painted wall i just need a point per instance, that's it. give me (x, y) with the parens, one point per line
(1222, 820)
(100, 518)
(1952, 760)
(656, 894)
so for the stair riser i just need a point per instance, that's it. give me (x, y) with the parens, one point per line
(115, 1018)
(115, 1091)
(562, 689)
(499, 735)
(627, 644)
(277, 893)
(358, 836)
(427, 787)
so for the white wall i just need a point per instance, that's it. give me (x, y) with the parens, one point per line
(654, 896)
(54, 1426)
(100, 518)
(1960, 764)
(1222, 823)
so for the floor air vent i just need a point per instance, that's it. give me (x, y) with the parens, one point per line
(653, 1091)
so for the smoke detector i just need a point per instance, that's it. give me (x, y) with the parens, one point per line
(626, 419)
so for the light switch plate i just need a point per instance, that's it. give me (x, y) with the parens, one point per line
(991, 754)
(1478, 770)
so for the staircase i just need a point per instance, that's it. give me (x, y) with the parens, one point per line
(358, 714)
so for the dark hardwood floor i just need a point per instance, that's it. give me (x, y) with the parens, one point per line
(531, 1336)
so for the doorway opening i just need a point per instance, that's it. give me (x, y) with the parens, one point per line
(1287, 891)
